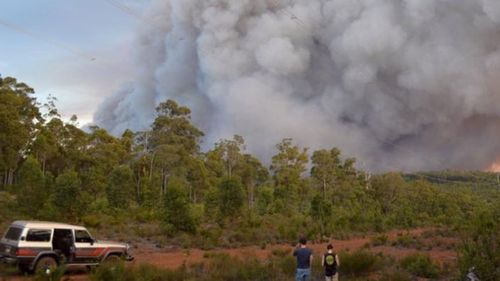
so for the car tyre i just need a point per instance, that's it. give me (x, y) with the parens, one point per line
(46, 264)
(112, 259)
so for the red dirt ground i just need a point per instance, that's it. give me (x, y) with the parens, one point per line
(172, 259)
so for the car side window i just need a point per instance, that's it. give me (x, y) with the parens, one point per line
(38, 235)
(82, 236)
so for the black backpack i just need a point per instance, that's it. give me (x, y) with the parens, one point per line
(330, 263)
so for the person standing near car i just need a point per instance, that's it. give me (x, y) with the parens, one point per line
(330, 262)
(304, 257)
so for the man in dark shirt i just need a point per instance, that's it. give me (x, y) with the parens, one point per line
(304, 260)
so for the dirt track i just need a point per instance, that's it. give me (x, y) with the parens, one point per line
(172, 259)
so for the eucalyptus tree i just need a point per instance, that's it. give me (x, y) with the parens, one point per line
(287, 168)
(19, 116)
(32, 191)
(326, 169)
(173, 142)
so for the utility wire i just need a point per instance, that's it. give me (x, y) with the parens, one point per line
(49, 41)
(296, 19)
(126, 9)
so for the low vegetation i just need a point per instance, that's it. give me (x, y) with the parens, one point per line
(420, 265)
(359, 263)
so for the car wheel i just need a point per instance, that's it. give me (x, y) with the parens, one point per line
(46, 265)
(112, 259)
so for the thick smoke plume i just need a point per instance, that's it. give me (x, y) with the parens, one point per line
(399, 84)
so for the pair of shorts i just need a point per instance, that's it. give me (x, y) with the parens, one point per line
(303, 274)
(335, 277)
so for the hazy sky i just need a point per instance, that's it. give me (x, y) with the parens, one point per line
(81, 29)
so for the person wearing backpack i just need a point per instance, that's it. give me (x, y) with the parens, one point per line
(330, 261)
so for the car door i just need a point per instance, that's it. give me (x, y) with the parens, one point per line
(86, 251)
(62, 242)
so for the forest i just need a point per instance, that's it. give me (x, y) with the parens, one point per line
(159, 185)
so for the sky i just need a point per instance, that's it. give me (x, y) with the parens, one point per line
(77, 51)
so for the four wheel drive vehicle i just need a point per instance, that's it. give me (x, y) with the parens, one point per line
(35, 246)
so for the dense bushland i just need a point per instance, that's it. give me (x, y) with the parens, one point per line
(158, 185)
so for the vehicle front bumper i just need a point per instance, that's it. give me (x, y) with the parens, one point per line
(8, 260)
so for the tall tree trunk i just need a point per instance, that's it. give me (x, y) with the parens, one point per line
(251, 189)
(11, 177)
(151, 167)
(165, 183)
(138, 185)
(4, 182)
(162, 182)
(43, 165)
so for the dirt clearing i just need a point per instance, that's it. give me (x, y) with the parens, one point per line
(174, 258)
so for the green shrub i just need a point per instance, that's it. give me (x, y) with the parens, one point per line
(407, 241)
(217, 267)
(285, 266)
(358, 263)
(110, 272)
(144, 230)
(7, 270)
(222, 267)
(177, 212)
(143, 272)
(150, 273)
(92, 221)
(480, 248)
(395, 275)
(379, 240)
(55, 275)
(281, 252)
(420, 265)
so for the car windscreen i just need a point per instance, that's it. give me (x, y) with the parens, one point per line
(82, 236)
(13, 233)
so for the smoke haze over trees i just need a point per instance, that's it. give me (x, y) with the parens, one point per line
(158, 184)
(398, 84)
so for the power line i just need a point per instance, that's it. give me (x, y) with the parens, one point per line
(287, 13)
(126, 9)
(49, 41)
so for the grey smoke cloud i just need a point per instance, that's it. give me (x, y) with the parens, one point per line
(399, 84)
